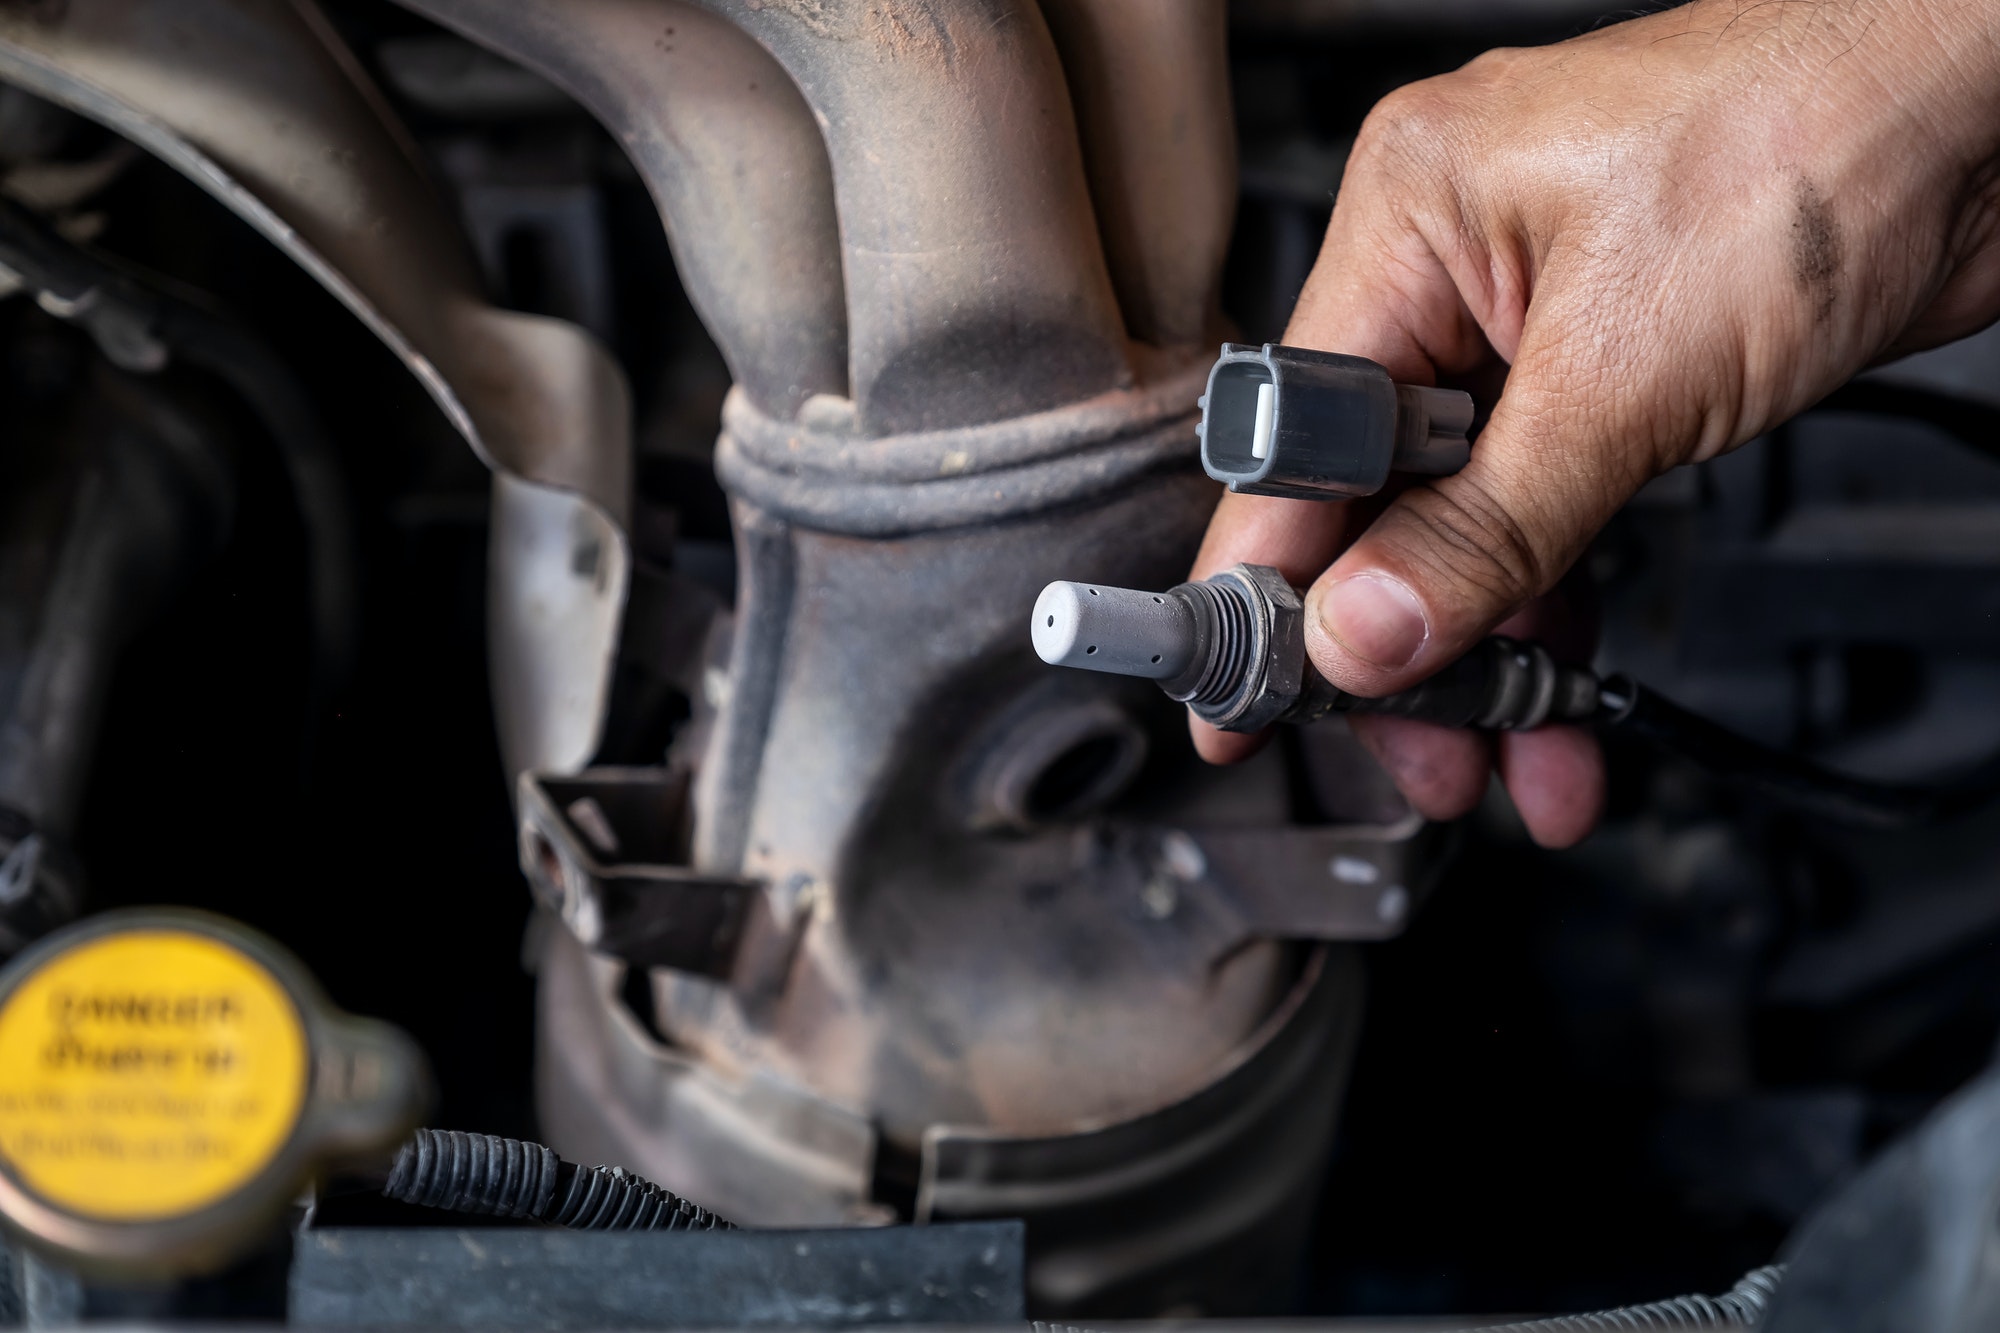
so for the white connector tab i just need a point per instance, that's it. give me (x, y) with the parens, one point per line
(1260, 431)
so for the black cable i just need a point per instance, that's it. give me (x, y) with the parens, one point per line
(481, 1173)
(1974, 424)
(1792, 779)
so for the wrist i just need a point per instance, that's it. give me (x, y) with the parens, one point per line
(1930, 68)
(1936, 63)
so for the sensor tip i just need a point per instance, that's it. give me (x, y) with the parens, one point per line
(1120, 630)
(1058, 620)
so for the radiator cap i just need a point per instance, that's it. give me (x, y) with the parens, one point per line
(170, 1081)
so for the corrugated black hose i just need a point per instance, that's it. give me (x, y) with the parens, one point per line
(496, 1177)
(485, 1174)
(1741, 1307)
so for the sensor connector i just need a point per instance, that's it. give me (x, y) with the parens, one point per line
(1307, 425)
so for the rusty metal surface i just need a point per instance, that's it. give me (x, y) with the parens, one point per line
(1151, 86)
(605, 852)
(608, 1092)
(1173, 1207)
(826, 477)
(731, 155)
(259, 104)
(984, 956)
(600, 852)
(971, 928)
(976, 285)
(1238, 885)
(931, 1004)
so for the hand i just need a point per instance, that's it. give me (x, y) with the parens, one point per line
(1673, 234)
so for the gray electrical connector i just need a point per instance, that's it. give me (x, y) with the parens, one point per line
(1308, 425)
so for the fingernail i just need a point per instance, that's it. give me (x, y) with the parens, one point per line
(1376, 618)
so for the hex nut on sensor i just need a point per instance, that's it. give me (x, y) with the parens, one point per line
(1277, 679)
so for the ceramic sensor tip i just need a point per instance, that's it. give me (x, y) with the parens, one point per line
(1119, 630)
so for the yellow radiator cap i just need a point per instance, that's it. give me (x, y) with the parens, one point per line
(169, 1081)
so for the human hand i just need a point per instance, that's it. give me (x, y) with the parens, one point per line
(1671, 235)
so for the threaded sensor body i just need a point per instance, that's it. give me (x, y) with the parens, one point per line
(1233, 649)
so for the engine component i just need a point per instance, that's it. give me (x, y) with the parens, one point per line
(1232, 648)
(891, 1044)
(884, 426)
(1777, 991)
(168, 1081)
(481, 1173)
(541, 402)
(1308, 425)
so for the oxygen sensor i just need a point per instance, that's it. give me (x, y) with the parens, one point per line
(1233, 649)
(1292, 422)
(1289, 422)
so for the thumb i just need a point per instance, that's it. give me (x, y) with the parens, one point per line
(1446, 562)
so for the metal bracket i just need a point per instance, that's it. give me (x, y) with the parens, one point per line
(1230, 886)
(606, 851)
(1338, 882)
